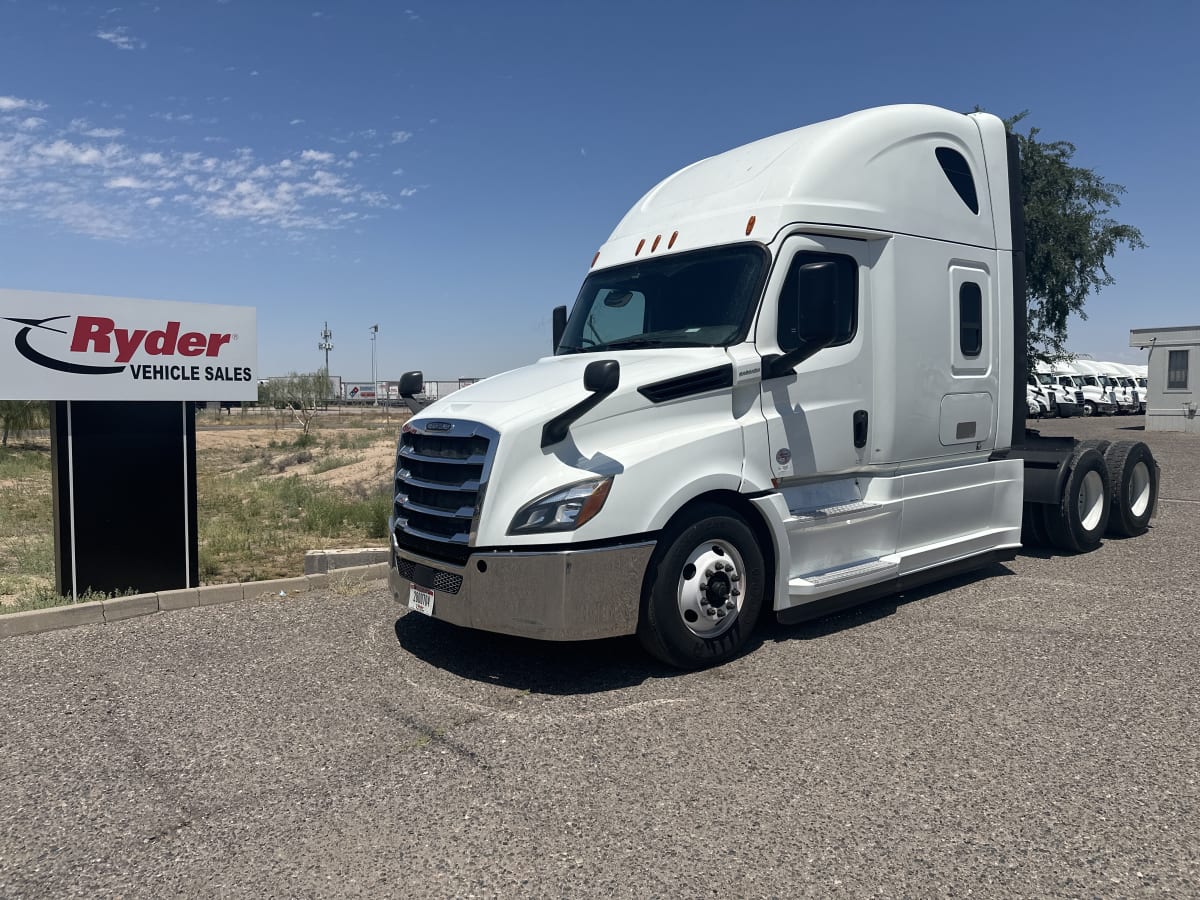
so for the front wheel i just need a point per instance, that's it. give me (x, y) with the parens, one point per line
(704, 589)
(1089, 408)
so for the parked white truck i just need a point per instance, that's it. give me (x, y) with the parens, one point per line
(794, 378)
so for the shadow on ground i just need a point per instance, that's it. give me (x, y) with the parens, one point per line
(541, 667)
(588, 667)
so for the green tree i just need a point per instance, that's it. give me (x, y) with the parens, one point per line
(301, 394)
(1070, 235)
(20, 416)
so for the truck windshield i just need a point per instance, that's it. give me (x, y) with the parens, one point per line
(704, 298)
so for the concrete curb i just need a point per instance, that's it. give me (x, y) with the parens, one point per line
(99, 612)
(317, 562)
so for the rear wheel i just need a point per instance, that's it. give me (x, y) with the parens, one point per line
(1077, 522)
(1133, 487)
(704, 589)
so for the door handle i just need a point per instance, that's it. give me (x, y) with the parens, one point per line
(860, 428)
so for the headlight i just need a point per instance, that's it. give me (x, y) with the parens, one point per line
(562, 510)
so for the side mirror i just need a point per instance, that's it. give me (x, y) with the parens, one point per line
(602, 376)
(600, 379)
(559, 319)
(818, 310)
(411, 384)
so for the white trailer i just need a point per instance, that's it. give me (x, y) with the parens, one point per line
(794, 379)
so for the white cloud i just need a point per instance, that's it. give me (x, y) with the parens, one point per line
(87, 129)
(109, 185)
(400, 137)
(296, 122)
(120, 38)
(397, 171)
(75, 154)
(32, 123)
(11, 104)
(126, 182)
(172, 117)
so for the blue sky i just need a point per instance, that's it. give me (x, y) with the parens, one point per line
(447, 170)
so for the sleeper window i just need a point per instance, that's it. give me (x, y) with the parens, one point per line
(970, 319)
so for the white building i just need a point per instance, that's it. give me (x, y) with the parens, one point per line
(1172, 391)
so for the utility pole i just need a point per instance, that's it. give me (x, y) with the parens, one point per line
(374, 377)
(326, 345)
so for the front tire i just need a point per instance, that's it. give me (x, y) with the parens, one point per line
(704, 589)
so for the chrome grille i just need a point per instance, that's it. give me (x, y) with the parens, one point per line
(439, 485)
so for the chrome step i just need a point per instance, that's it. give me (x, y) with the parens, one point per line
(821, 513)
(813, 583)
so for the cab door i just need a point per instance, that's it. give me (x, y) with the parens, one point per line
(819, 415)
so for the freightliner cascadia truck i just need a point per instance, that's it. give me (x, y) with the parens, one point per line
(792, 381)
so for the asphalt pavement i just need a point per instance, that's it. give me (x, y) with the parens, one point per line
(1030, 730)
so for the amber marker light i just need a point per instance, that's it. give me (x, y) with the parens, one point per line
(594, 258)
(594, 503)
(671, 242)
(750, 226)
(641, 244)
(654, 246)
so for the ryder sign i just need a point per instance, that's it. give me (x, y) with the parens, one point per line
(79, 347)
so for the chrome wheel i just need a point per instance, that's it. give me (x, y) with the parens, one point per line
(711, 589)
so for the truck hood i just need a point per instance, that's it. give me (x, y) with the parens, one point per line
(542, 390)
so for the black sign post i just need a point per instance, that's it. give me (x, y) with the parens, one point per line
(124, 495)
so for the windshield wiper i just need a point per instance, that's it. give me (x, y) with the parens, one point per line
(631, 343)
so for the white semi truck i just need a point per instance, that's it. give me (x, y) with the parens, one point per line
(793, 380)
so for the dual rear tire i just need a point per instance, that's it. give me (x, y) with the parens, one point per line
(1109, 489)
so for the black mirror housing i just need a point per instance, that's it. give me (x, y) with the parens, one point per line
(818, 311)
(559, 325)
(411, 384)
(602, 376)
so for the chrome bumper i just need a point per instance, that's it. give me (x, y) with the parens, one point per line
(567, 595)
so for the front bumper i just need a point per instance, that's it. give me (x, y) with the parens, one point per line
(560, 595)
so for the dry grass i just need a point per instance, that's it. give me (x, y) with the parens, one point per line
(266, 495)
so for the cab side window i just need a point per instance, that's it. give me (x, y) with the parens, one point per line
(795, 309)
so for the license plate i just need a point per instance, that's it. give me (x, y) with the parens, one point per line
(420, 599)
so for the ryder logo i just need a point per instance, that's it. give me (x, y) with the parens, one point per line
(98, 336)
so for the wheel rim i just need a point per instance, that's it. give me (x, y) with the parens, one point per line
(711, 589)
(1091, 500)
(1088, 409)
(1139, 489)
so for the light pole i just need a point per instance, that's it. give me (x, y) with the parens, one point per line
(374, 378)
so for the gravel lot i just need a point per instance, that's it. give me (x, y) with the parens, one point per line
(1030, 730)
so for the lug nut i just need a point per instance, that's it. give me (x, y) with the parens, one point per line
(720, 613)
(731, 606)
